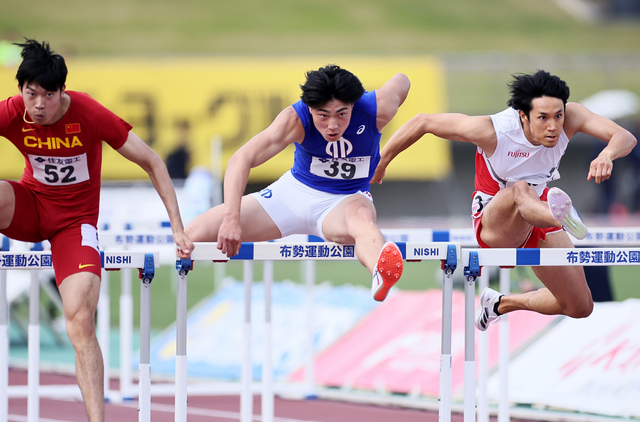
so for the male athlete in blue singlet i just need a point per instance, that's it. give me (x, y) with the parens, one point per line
(336, 129)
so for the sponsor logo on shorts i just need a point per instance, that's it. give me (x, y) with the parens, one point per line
(81, 266)
(266, 193)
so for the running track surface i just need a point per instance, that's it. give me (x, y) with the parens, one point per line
(214, 408)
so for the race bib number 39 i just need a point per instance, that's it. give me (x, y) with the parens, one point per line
(341, 168)
(60, 171)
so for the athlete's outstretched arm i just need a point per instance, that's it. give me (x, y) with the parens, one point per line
(477, 130)
(135, 150)
(619, 141)
(285, 130)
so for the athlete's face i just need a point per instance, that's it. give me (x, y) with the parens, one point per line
(44, 107)
(332, 119)
(544, 125)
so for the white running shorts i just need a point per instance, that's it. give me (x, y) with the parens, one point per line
(296, 208)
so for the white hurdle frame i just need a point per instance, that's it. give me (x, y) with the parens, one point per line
(123, 241)
(34, 260)
(474, 259)
(304, 251)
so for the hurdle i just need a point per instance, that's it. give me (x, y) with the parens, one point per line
(597, 237)
(34, 260)
(128, 240)
(304, 251)
(474, 259)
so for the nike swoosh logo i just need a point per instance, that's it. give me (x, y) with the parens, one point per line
(28, 129)
(86, 265)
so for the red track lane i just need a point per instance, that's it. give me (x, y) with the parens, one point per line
(214, 408)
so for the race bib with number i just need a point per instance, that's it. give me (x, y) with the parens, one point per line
(60, 171)
(341, 168)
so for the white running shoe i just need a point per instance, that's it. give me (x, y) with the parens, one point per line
(387, 271)
(486, 313)
(562, 210)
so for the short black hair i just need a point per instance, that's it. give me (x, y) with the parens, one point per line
(40, 65)
(526, 87)
(328, 83)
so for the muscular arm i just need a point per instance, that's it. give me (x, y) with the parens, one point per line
(477, 130)
(285, 130)
(620, 141)
(135, 150)
(390, 97)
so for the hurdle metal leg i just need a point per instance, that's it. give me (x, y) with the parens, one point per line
(471, 273)
(309, 281)
(4, 347)
(267, 370)
(144, 384)
(503, 406)
(483, 360)
(104, 325)
(126, 334)
(181, 348)
(469, 350)
(33, 375)
(444, 410)
(246, 396)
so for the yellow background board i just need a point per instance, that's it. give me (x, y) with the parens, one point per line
(235, 98)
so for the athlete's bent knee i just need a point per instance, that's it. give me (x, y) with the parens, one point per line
(579, 310)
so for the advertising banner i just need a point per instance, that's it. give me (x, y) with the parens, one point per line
(397, 347)
(590, 365)
(198, 101)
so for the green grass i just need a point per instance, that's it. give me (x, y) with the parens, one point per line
(294, 26)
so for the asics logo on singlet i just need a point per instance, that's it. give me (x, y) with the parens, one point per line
(517, 154)
(266, 193)
(339, 149)
(360, 129)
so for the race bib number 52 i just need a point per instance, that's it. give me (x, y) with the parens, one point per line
(341, 168)
(60, 171)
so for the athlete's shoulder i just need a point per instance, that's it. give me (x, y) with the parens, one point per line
(83, 104)
(506, 121)
(83, 99)
(302, 110)
(10, 109)
(367, 104)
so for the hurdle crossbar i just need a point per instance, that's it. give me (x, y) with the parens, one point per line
(507, 257)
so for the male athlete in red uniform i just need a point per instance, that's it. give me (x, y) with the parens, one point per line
(518, 152)
(60, 134)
